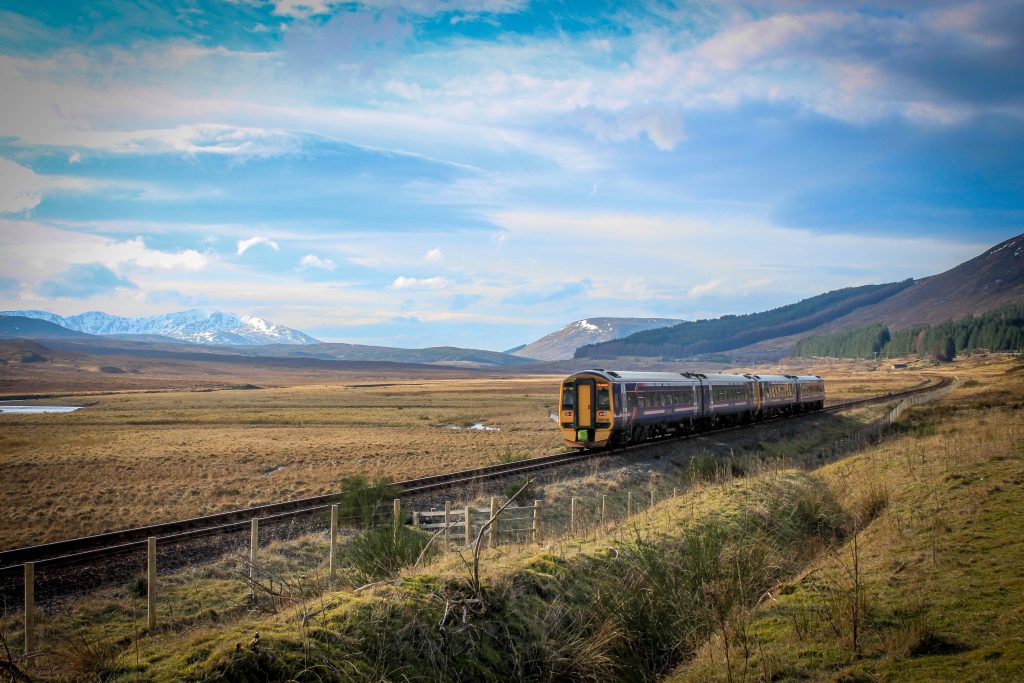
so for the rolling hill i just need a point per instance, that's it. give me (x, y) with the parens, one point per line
(734, 331)
(24, 327)
(988, 281)
(561, 345)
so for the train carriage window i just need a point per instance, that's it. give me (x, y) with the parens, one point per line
(604, 398)
(630, 400)
(568, 397)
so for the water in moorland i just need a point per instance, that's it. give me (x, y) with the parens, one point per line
(33, 410)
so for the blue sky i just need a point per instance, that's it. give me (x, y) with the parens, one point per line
(482, 172)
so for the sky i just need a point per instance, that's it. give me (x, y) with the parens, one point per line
(480, 173)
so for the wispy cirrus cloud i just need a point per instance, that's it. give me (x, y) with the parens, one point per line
(247, 244)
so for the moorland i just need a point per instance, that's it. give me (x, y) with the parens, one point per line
(167, 440)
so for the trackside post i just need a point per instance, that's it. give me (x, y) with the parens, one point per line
(334, 540)
(254, 544)
(447, 525)
(30, 607)
(494, 524)
(151, 582)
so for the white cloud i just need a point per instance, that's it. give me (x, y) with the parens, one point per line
(314, 261)
(135, 252)
(75, 157)
(434, 255)
(245, 245)
(302, 8)
(20, 188)
(403, 282)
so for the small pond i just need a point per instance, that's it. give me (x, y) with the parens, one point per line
(33, 410)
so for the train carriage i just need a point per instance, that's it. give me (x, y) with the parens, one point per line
(605, 407)
(776, 394)
(810, 392)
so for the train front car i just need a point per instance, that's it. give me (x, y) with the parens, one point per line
(587, 410)
(810, 392)
(605, 407)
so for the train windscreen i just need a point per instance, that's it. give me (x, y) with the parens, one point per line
(568, 397)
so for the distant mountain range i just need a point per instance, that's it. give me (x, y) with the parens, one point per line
(561, 345)
(196, 326)
(988, 281)
(171, 335)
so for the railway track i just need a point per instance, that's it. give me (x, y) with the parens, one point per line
(79, 556)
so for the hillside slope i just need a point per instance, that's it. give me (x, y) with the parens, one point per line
(734, 331)
(986, 282)
(932, 589)
(434, 355)
(561, 345)
(26, 327)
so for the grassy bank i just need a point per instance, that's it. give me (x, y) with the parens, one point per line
(629, 606)
(932, 588)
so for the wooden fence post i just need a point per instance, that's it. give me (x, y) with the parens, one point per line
(675, 492)
(652, 497)
(468, 523)
(572, 516)
(604, 511)
(151, 582)
(416, 519)
(334, 540)
(629, 504)
(396, 509)
(536, 521)
(30, 607)
(254, 544)
(447, 525)
(494, 524)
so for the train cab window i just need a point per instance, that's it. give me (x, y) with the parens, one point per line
(604, 397)
(568, 397)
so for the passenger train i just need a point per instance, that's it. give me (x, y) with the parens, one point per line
(614, 408)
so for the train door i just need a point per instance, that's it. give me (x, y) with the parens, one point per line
(585, 407)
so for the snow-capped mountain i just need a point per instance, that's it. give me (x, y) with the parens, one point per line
(197, 326)
(562, 344)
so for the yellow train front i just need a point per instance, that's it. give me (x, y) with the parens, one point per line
(586, 412)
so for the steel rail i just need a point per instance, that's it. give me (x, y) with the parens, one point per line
(82, 549)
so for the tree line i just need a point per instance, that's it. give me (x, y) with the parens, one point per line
(1000, 329)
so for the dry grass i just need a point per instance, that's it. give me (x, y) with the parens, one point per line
(132, 459)
(877, 491)
(930, 589)
(135, 458)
